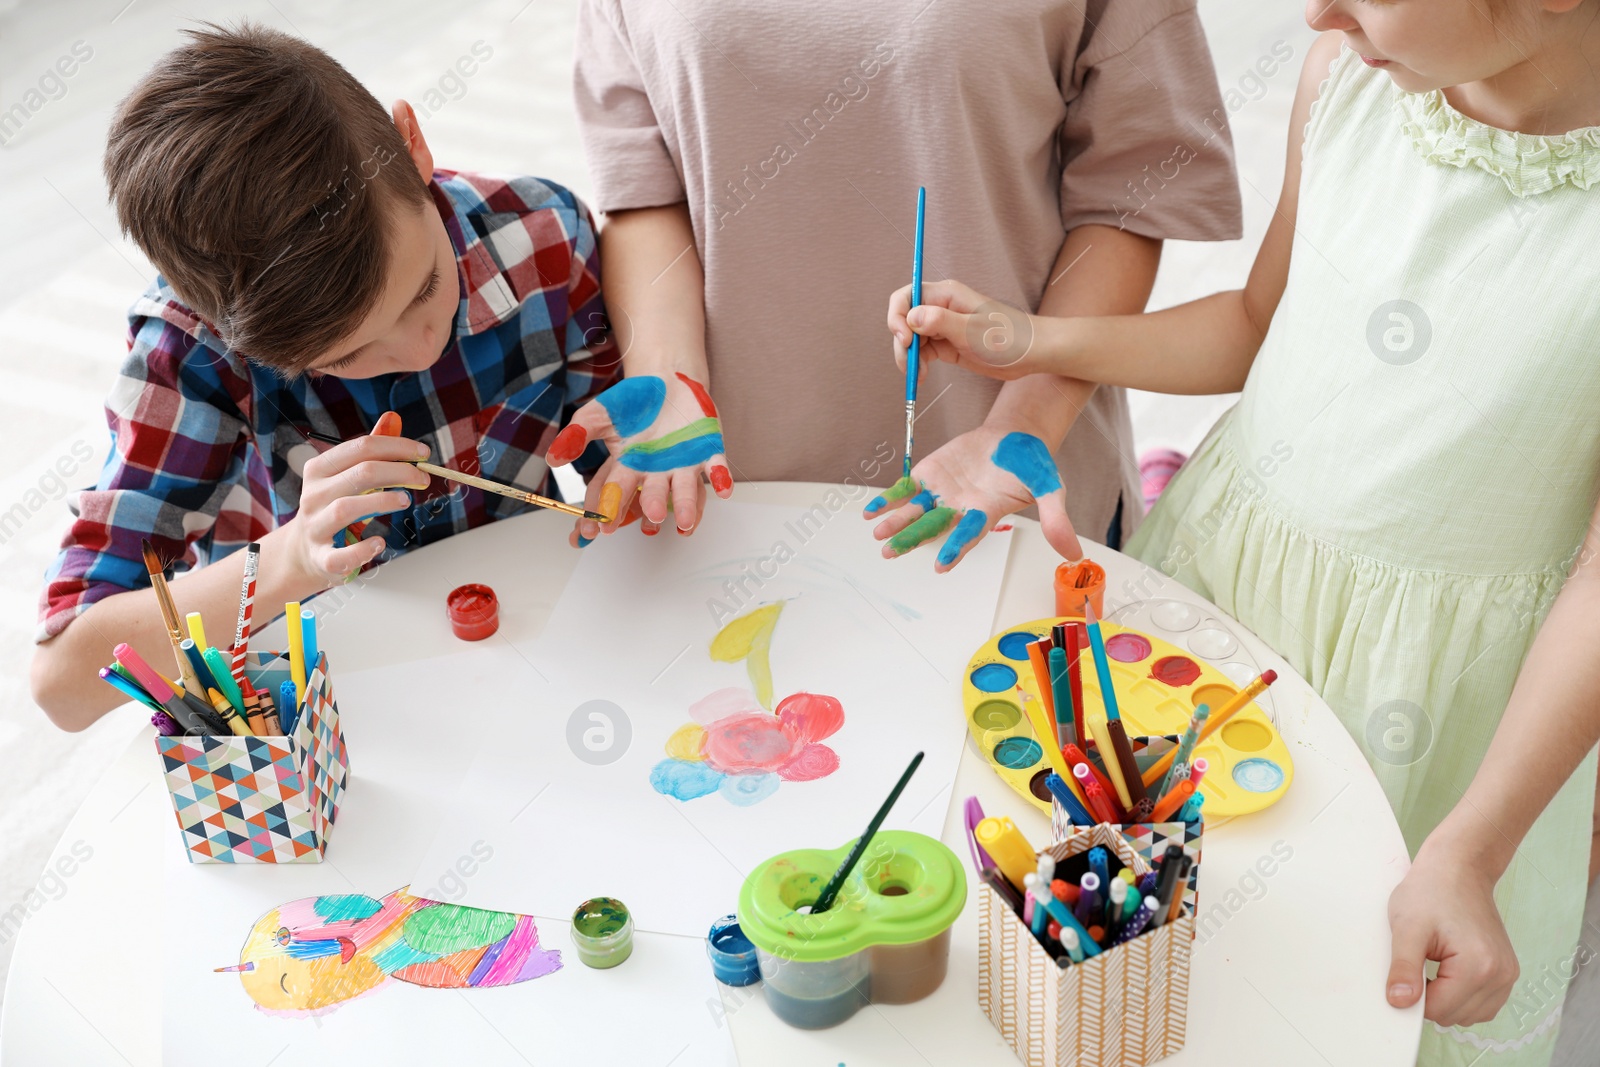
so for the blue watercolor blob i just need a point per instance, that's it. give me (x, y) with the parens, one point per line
(926, 500)
(685, 779)
(971, 525)
(994, 678)
(1014, 645)
(634, 403)
(747, 789)
(688, 453)
(1258, 775)
(1018, 752)
(1026, 457)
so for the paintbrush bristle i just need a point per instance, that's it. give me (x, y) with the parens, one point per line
(152, 562)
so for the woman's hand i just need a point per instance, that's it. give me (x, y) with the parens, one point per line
(970, 484)
(962, 326)
(1444, 910)
(335, 496)
(663, 434)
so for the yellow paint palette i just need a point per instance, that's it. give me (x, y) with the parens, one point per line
(1158, 687)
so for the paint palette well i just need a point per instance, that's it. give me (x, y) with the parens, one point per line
(1158, 683)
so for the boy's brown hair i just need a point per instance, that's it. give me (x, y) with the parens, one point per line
(260, 177)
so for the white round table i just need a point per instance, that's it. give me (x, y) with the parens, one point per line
(1289, 966)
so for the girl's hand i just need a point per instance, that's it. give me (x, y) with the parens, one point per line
(332, 499)
(663, 433)
(1444, 910)
(962, 326)
(970, 484)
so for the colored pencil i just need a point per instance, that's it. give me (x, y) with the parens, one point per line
(914, 350)
(1034, 709)
(1215, 721)
(1191, 734)
(831, 890)
(247, 596)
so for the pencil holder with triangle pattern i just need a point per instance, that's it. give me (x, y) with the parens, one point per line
(1126, 1007)
(262, 799)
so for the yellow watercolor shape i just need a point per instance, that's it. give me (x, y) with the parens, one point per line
(686, 742)
(749, 638)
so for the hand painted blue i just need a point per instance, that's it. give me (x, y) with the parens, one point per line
(1026, 457)
(634, 403)
(972, 525)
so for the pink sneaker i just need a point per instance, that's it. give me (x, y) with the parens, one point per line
(1156, 468)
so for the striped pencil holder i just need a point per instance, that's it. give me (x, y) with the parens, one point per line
(261, 799)
(1126, 1007)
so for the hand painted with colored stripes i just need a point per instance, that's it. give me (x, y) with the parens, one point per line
(962, 490)
(663, 434)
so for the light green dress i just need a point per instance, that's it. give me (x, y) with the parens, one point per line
(1397, 496)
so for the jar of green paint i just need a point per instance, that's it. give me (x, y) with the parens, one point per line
(602, 932)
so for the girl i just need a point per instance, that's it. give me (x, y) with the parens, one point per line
(1407, 487)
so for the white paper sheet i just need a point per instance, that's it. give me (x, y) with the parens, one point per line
(566, 798)
(406, 757)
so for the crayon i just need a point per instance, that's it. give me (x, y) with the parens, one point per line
(230, 690)
(269, 711)
(234, 721)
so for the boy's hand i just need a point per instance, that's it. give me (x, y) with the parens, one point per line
(962, 326)
(663, 434)
(1444, 910)
(332, 499)
(966, 487)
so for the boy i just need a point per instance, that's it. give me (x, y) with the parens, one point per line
(316, 272)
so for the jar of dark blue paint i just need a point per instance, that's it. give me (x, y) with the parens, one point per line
(733, 957)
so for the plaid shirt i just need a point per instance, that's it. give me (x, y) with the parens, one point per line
(206, 455)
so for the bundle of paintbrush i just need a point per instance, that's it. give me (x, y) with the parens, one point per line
(212, 694)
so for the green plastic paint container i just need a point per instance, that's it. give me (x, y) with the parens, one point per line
(602, 932)
(885, 940)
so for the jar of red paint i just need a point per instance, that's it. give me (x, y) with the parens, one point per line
(474, 612)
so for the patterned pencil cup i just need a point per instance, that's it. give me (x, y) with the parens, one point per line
(1126, 1007)
(261, 799)
(1150, 840)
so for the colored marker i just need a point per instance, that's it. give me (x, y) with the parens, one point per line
(1076, 812)
(197, 628)
(1118, 755)
(1037, 923)
(1191, 810)
(191, 652)
(1039, 660)
(974, 815)
(1118, 894)
(1173, 801)
(1099, 803)
(129, 689)
(1142, 914)
(1099, 863)
(165, 724)
(220, 670)
(308, 639)
(1011, 851)
(1046, 869)
(1075, 679)
(997, 881)
(1061, 693)
(288, 710)
(1088, 908)
(1198, 770)
(155, 685)
(1176, 907)
(1069, 923)
(1065, 891)
(1166, 878)
(1070, 942)
(1074, 756)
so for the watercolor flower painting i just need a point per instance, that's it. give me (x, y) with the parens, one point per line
(737, 744)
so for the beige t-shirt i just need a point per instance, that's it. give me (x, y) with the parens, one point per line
(798, 134)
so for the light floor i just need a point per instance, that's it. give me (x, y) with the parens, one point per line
(66, 279)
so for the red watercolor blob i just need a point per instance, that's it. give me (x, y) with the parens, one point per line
(1175, 671)
(1128, 648)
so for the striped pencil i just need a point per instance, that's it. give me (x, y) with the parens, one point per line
(247, 596)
